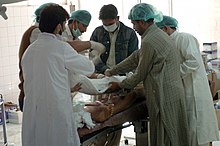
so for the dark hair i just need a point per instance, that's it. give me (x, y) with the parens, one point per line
(151, 20)
(37, 18)
(108, 12)
(70, 21)
(174, 28)
(51, 16)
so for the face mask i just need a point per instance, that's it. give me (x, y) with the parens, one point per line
(110, 28)
(77, 32)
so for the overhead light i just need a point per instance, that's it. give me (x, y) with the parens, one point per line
(3, 8)
(2, 12)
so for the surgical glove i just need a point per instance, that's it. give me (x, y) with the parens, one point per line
(107, 72)
(97, 50)
(97, 46)
(94, 56)
(100, 76)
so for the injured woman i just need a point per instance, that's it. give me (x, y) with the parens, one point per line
(109, 109)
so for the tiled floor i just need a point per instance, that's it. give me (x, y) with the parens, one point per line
(14, 135)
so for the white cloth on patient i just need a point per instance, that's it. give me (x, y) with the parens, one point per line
(82, 117)
(93, 86)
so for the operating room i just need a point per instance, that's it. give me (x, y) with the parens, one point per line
(115, 102)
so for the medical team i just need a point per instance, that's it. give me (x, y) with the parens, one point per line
(169, 64)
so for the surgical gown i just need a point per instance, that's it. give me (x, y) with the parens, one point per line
(200, 110)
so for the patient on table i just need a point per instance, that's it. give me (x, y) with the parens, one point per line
(108, 104)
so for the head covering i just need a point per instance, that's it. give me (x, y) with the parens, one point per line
(108, 12)
(82, 16)
(145, 12)
(168, 21)
(39, 9)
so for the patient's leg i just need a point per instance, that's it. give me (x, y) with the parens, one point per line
(111, 104)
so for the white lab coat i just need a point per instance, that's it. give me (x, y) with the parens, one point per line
(200, 109)
(47, 116)
(35, 33)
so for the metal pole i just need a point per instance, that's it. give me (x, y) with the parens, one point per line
(170, 7)
(3, 120)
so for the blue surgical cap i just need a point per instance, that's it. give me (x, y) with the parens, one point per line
(40, 8)
(145, 12)
(82, 16)
(167, 21)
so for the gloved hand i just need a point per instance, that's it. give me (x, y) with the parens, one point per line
(107, 72)
(100, 76)
(95, 57)
(97, 46)
(97, 50)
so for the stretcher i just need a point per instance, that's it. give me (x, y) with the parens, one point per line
(130, 109)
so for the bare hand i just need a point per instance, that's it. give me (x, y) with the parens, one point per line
(79, 45)
(77, 87)
(114, 86)
(96, 76)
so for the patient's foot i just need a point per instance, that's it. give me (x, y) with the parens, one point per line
(111, 104)
(99, 111)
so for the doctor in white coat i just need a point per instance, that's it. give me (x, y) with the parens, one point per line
(77, 24)
(31, 34)
(200, 110)
(47, 116)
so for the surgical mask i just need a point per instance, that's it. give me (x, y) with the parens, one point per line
(77, 32)
(110, 28)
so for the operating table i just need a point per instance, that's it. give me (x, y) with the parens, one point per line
(129, 109)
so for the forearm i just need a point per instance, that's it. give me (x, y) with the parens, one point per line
(143, 58)
(80, 46)
(127, 65)
(189, 66)
(189, 49)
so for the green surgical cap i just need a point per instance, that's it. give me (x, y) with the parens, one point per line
(40, 8)
(145, 12)
(82, 16)
(167, 21)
